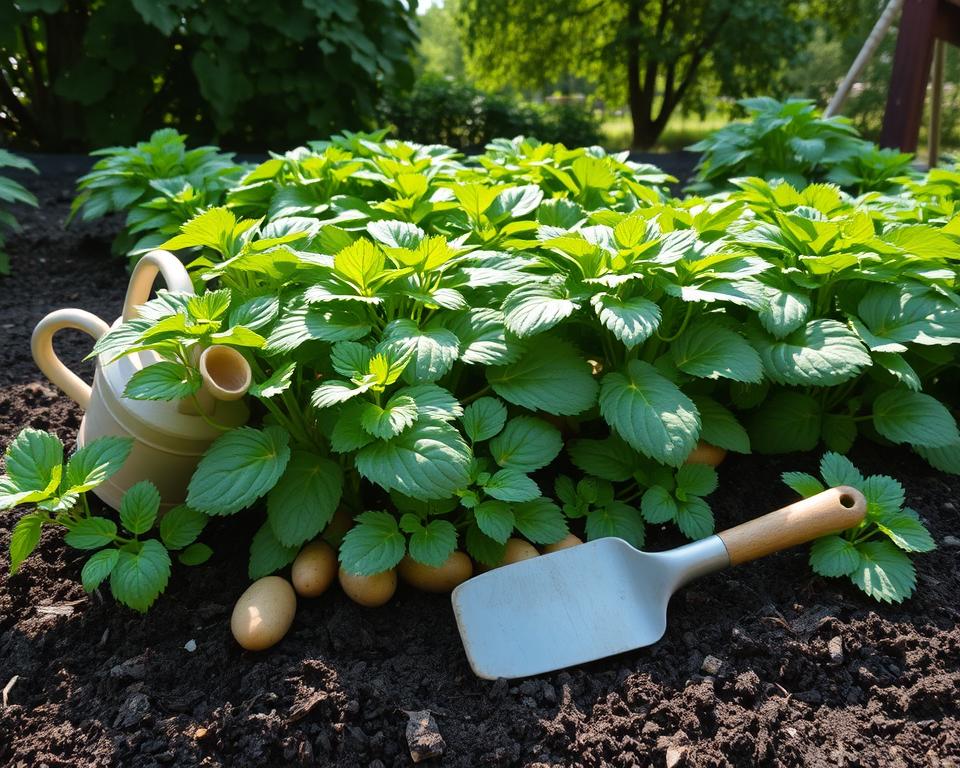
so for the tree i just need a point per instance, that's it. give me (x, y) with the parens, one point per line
(76, 74)
(658, 55)
(441, 51)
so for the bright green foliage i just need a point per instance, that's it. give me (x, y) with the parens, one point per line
(138, 568)
(872, 554)
(432, 336)
(790, 140)
(12, 192)
(158, 183)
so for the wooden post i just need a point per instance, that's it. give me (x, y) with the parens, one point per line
(936, 101)
(923, 22)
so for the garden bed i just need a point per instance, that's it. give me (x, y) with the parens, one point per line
(97, 684)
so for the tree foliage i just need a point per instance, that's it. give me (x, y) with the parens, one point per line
(94, 72)
(658, 54)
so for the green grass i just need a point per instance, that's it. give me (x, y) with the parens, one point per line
(680, 131)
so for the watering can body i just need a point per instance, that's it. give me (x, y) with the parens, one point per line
(169, 439)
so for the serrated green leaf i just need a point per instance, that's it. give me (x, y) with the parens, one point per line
(946, 459)
(784, 311)
(350, 358)
(910, 313)
(804, 484)
(632, 321)
(884, 496)
(361, 263)
(433, 403)
(710, 351)
(482, 548)
(256, 313)
(822, 353)
(91, 533)
(335, 392)
(237, 469)
(34, 461)
(495, 519)
(526, 444)
(549, 377)
(719, 427)
(511, 485)
(181, 526)
(786, 422)
(347, 434)
(896, 365)
(98, 567)
(650, 413)
(906, 532)
(139, 577)
(24, 539)
(304, 499)
(884, 572)
(431, 352)
(484, 418)
(399, 413)
(277, 383)
(300, 324)
(839, 470)
(375, 544)
(97, 462)
(428, 461)
(616, 519)
(697, 479)
(695, 518)
(540, 521)
(433, 543)
(610, 459)
(139, 507)
(838, 431)
(483, 337)
(267, 555)
(913, 417)
(537, 307)
(658, 505)
(834, 556)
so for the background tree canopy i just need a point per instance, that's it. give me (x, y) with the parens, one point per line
(76, 74)
(656, 54)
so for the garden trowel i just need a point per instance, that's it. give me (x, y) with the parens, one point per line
(605, 597)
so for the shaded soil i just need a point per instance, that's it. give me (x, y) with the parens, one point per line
(101, 686)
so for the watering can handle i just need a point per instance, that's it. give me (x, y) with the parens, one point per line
(41, 345)
(144, 275)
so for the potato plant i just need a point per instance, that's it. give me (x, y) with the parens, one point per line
(456, 352)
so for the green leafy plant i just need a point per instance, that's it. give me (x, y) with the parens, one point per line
(12, 192)
(790, 140)
(875, 555)
(455, 351)
(159, 183)
(138, 567)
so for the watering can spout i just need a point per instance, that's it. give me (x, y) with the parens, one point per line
(226, 377)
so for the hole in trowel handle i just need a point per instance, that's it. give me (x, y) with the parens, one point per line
(226, 374)
(847, 501)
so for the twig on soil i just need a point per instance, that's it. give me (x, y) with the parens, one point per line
(60, 609)
(9, 687)
(103, 638)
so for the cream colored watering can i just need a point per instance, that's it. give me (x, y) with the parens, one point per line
(169, 437)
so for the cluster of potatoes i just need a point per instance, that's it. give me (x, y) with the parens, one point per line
(264, 613)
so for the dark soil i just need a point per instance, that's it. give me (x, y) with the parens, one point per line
(97, 685)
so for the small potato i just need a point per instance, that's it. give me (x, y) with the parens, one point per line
(705, 453)
(370, 591)
(337, 528)
(570, 540)
(517, 550)
(455, 570)
(264, 613)
(314, 569)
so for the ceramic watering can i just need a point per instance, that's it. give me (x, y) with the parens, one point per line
(169, 437)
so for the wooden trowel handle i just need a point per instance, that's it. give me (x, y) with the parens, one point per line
(836, 509)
